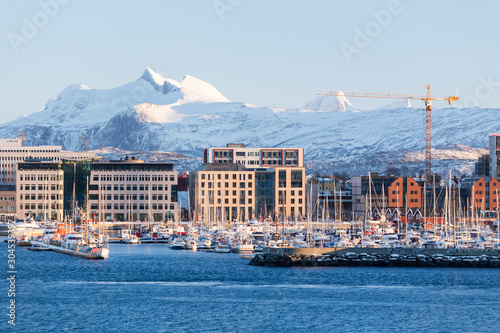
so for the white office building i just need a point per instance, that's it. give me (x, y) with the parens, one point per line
(12, 151)
(133, 190)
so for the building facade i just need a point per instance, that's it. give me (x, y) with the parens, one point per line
(222, 193)
(7, 202)
(255, 157)
(40, 190)
(133, 190)
(485, 194)
(290, 192)
(370, 192)
(482, 166)
(405, 192)
(494, 147)
(231, 192)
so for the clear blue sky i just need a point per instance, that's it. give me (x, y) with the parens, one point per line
(269, 53)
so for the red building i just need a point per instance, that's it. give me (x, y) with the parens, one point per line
(183, 182)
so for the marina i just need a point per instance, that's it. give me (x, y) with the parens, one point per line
(193, 291)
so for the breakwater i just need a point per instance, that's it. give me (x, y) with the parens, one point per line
(380, 257)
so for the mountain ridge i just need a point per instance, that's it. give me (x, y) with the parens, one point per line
(157, 113)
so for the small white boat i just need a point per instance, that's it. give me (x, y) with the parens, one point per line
(131, 239)
(222, 248)
(191, 244)
(203, 243)
(244, 247)
(177, 244)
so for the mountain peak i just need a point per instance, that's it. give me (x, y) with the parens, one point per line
(327, 103)
(199, 89)
(151, 76)
(160, 83)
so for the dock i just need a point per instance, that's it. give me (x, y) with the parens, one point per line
(39, 247)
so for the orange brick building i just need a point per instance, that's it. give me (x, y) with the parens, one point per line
(485, 193)
(404, 188)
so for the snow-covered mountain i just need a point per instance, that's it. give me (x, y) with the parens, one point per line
(155, 113)
(327, 103)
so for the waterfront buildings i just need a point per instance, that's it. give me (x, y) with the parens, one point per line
(240, 183)
(13, 151)
(123, 190)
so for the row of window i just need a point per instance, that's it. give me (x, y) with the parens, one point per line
(226, 184)
(411, 200)
(249, 162)
(409, 184)
(38, 197)
(39, 206)
(32, 187)
(133, 206)
(292, 193)
(133, 178)
(226, 193)
(481, 200)
(133, 197)
(122, 187)
(226, 176)
(481, 192)
(11, 199)
(226, 201)
(41, 177)
(30, 150)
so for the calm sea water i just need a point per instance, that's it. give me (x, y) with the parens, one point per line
(149, 288)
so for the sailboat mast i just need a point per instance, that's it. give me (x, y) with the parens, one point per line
(370, 192)
(87, 212)
(284, 198)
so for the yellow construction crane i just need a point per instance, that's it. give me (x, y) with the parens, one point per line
(428, 120)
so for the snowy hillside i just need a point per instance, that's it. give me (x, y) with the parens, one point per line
(155, 113)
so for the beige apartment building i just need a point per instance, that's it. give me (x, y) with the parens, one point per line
(40, 190)
(7, 202)
(132, 190)
(224, 192)
(290, 191)
(230, 192)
